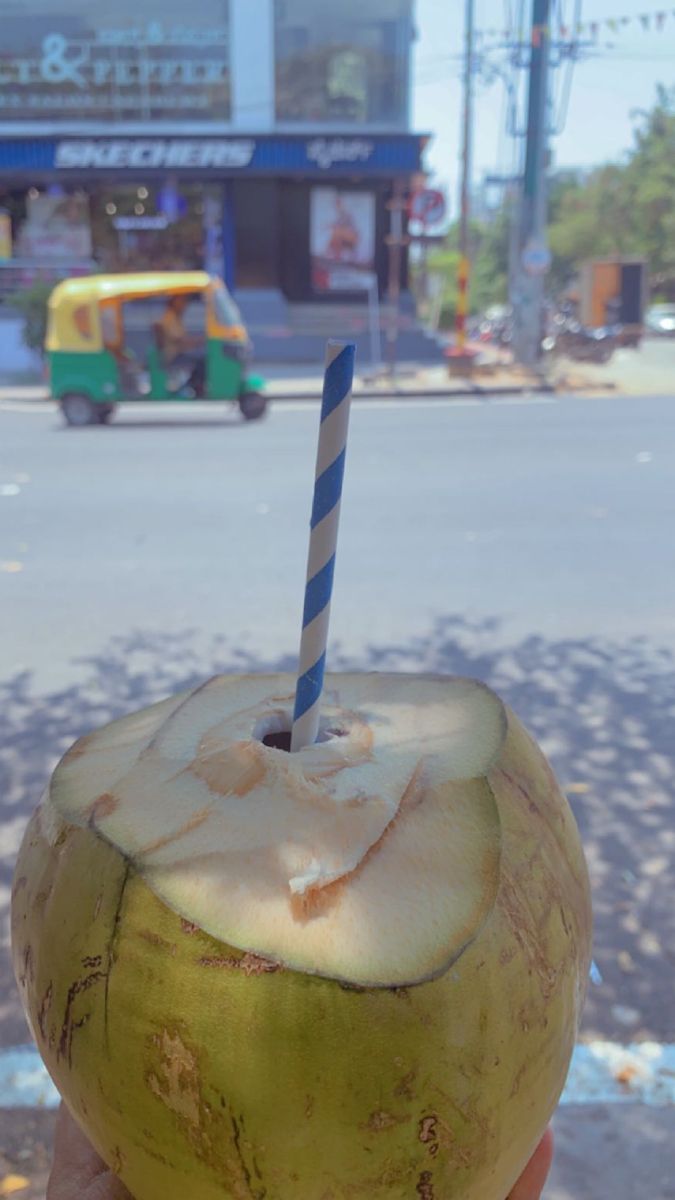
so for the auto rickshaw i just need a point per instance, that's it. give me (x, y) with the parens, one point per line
(110, 340)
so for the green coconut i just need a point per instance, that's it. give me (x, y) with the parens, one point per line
(356, 970)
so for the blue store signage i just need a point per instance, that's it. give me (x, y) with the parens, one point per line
(322, 155)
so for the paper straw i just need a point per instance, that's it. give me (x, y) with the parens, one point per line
(330, 467)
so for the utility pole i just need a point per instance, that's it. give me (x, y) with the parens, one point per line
(533, 258)
(395, 241)
(464, 265)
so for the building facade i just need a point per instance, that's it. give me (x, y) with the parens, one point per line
(261, 139)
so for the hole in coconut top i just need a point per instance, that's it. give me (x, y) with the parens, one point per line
(278, 741)
(274, 731)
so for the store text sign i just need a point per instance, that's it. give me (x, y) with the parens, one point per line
(197, 153)
(122, 72)
(155, 153)
(211, 154)
(329, 152)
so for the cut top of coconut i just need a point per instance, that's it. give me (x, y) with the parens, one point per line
(371, 857)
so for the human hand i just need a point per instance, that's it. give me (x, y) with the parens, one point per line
(77, 1172)
(531, 1183)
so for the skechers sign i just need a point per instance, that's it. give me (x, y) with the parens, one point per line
(267, 154)
(154, 153)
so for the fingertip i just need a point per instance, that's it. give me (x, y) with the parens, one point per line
(531, 1183)
(75, 1162)
(546, 1149)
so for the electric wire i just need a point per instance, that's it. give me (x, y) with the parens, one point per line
(560, 120)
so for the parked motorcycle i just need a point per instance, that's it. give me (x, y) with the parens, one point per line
(569, 338)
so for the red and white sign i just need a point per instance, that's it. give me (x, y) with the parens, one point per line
(428, 207)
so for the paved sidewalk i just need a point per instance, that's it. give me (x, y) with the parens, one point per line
(613, 1152)
(297, 383)
(648, 371)
(492, 375)
(410, 379)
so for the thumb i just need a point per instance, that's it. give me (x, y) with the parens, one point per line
(106, 1187)
(77, 1172)
(531, 1183)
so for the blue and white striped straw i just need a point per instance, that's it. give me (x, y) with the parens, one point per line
(330, 467)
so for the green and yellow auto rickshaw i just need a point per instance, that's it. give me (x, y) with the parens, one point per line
(154, 336)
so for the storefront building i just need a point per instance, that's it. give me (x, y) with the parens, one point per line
(261, 139)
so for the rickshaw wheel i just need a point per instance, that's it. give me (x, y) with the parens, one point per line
(253, 405)
(79, 410)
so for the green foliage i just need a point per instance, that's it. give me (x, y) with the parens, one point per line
(32, 304)
(489, 259)
(589, 219)
(623, 209)
(650, 184)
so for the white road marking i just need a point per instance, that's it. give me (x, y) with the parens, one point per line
(601, 1073)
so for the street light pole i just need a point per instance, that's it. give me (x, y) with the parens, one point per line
(395, 241)
(464, 265)
(532, 251)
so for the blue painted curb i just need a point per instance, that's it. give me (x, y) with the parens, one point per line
(24, 1082)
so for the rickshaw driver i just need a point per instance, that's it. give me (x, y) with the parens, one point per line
(181, 350)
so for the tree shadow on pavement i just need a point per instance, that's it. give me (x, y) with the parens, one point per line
(603, 712)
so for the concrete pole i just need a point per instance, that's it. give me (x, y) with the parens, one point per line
(464, 265)
(529, 285)
(395, 242)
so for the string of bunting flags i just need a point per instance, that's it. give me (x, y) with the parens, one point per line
(646, 21)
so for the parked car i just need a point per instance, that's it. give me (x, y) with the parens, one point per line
(660, 319)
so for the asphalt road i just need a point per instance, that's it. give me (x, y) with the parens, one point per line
(529, 543)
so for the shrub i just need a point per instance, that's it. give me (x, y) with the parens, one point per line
(32, 304)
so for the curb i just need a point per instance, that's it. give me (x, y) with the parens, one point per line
(8, 393)
(315, 397)
(423, 393)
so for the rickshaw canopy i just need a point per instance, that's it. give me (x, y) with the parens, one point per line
(74, 318)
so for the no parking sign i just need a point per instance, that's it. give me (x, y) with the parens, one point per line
(428, 207)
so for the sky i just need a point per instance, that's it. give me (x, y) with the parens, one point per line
(620, 76)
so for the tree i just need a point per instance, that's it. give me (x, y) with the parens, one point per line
(32, 304)
(625, 209)
(650, 187)
(589, 219)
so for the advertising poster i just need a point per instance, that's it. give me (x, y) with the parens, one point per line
(5, 236)
(56, 227)
(342, 239)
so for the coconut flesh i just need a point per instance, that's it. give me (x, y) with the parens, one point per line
(353, 970)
